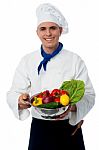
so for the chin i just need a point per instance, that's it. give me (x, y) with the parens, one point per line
(50, 45)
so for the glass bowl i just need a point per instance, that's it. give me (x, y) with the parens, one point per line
(50, 113)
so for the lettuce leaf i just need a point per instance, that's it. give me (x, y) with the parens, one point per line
(75, 88)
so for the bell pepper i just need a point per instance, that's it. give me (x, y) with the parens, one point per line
(57, 99)
(40, 95)
(55, 92)
(62, 92)
(37, 101)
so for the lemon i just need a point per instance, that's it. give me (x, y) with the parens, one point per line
(64, 99)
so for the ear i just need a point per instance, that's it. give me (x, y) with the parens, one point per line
(61, 29)
(36, 31)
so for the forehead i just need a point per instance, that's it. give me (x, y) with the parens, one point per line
(47, 24)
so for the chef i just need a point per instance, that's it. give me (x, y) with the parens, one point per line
(45, 69)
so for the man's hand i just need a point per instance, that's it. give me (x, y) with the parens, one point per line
(73, 108)
(70, 109)
(23, 101)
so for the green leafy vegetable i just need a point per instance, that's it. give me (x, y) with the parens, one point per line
(75, 88)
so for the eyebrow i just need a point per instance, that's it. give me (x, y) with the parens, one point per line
(43, 27)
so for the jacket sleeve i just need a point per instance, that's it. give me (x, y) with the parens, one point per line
(20, 84)
(88, 100)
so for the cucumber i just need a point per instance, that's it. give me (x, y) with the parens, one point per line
(51, 105)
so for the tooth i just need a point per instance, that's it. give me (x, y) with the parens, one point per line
(48, 39)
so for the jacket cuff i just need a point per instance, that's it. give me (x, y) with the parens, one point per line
(24, 114)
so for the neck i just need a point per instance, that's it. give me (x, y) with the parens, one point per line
(50, 50)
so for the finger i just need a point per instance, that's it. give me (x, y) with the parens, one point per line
(25, 96)
(73, 108)
(63, 114)
(22, 102)
(22, 99)
(23, 107)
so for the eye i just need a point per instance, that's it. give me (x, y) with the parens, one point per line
(53, 27)
(42, 29)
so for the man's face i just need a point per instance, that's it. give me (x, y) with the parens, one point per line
(49, 34)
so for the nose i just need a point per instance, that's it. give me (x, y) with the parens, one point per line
(48, 32)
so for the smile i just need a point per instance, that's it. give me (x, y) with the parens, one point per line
(49, 39)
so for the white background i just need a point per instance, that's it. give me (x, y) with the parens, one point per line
(18, 37)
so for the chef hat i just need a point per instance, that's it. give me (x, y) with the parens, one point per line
(48, 13)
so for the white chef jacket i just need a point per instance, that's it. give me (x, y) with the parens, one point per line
(64, 66)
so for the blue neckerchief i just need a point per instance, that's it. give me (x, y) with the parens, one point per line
(47, 57)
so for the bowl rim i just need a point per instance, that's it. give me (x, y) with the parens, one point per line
(50, 108)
